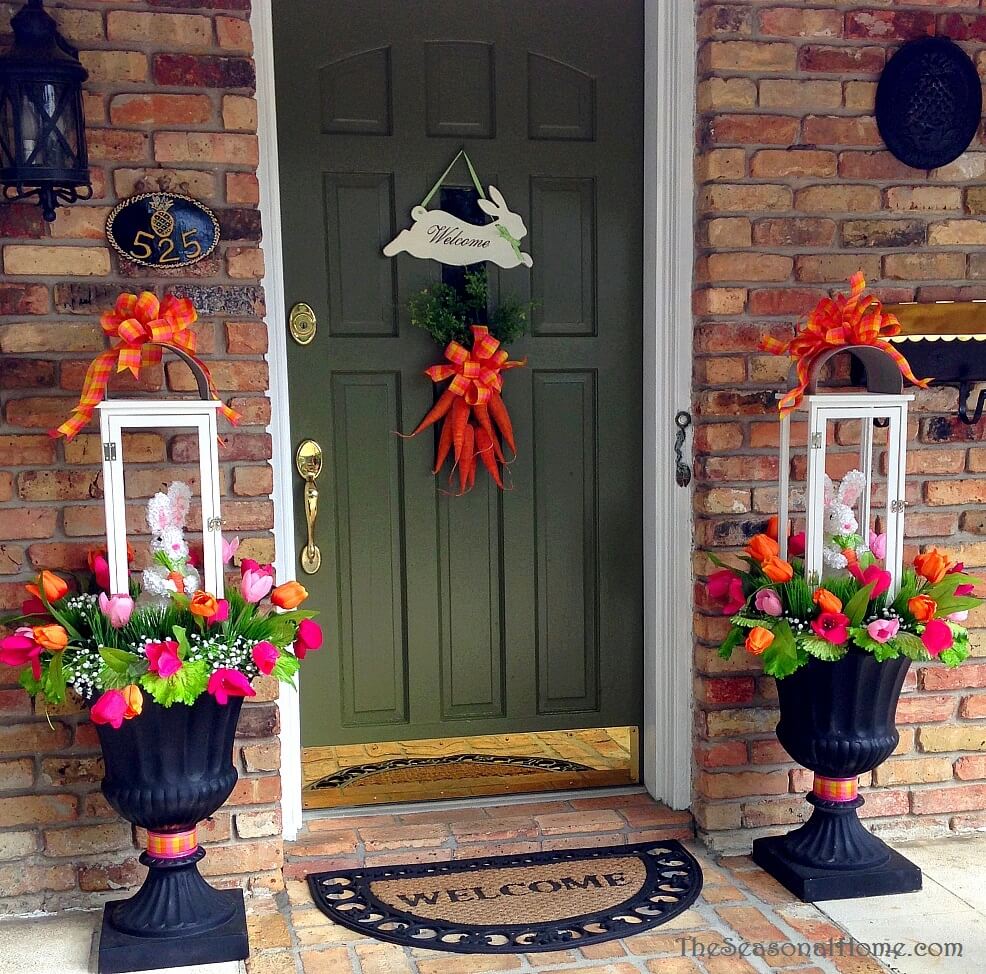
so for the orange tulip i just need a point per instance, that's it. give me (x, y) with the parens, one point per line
(762, 547)
(777, 570)
(826, 601)
(203, 604)
(772, 531)
(758, 640)
(135, 701)
(932, 565)
(54, 587)
(51, 636)
(289, 595)
(922, 608)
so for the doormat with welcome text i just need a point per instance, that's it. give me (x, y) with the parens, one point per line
(515, 904)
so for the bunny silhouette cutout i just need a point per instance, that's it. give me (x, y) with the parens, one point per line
(437, 235)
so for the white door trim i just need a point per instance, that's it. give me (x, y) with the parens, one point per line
(289, 703)
(669, 246)
(669, 81)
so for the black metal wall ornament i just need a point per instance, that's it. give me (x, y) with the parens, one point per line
(929, 103)
(162, 230)
(42, 124)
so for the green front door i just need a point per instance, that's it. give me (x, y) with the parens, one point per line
(493, 612)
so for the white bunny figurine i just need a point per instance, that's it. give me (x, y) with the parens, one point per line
(841, 526)
(440, 236)
(171, 572)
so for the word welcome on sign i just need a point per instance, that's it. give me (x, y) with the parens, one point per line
(162, 230)
(468, 894)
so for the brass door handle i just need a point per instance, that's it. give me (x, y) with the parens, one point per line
(308, 460)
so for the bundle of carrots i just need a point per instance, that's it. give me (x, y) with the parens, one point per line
(475, 418)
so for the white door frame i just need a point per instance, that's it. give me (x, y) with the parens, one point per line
(669, 82)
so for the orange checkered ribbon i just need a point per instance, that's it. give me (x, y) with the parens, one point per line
(835, 789)
(853, 319)
(171, 845)
(475, 372)
(142, 327)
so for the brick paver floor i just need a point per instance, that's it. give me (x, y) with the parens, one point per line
(739, 903)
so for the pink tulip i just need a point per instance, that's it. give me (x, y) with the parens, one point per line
(249, 565)
(308, 638)
(163, 658)
(957, 568)
(224, 684)
(254, 585)
(796, 545)
(116, 608)
(110, 709)
(963, 590)
(229, 549)
(833, 627)
(727, 587)
(874, 573)
(265, 655)
(769, 602)
(878, 545)
(101, 571)
(33, 607)
(962, 616)
(221, 614)
(883, 630)
(936, 637)
(21, 648)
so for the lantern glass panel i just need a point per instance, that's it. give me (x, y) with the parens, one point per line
(853, 473)
(161, 482)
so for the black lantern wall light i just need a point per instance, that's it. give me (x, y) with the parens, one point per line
(42, 126)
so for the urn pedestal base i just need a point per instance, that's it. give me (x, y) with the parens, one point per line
(833, 857)
(176, 919)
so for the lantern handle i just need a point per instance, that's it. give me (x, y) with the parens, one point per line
(201, 379)
(882, 373)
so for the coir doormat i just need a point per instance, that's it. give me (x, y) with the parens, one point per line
(398, 771)
(515, 904)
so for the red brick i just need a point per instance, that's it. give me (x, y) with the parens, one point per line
(961, 798)
(37, 809)
(203, 71)
(841, 60)
(157, 109)
(918, 709)
(889, 25)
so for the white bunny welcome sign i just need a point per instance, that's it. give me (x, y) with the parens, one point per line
(437, 235)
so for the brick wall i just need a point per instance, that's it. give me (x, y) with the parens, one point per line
(169, 104)
(795, 192)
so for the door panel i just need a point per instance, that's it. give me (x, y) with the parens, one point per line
(494, 612)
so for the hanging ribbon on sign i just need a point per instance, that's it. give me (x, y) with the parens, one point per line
(853, 319)
(437, 235)
(142, 326)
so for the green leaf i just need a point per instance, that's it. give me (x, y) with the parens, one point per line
(911, 646)
(27, 681)
(822, 648)
(286, 666)
(53, 680)
(181, 637)
(748, 623)
(118, 660)
(948, 585)
(948, 604)
(882, 651)
(110, 679)
(781, 657)
(181, 687)
(731, 641)
(857, 605)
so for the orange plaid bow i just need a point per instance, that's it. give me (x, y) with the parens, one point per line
(143, 326)
(853, 319)
(476, 371)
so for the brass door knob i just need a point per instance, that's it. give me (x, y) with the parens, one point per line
(308, 461)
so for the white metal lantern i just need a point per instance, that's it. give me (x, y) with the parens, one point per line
(120, 416)
(855, 506)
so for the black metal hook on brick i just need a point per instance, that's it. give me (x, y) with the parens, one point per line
(965, 390)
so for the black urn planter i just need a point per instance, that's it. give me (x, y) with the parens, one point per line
(166, 770)
(837, 719)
